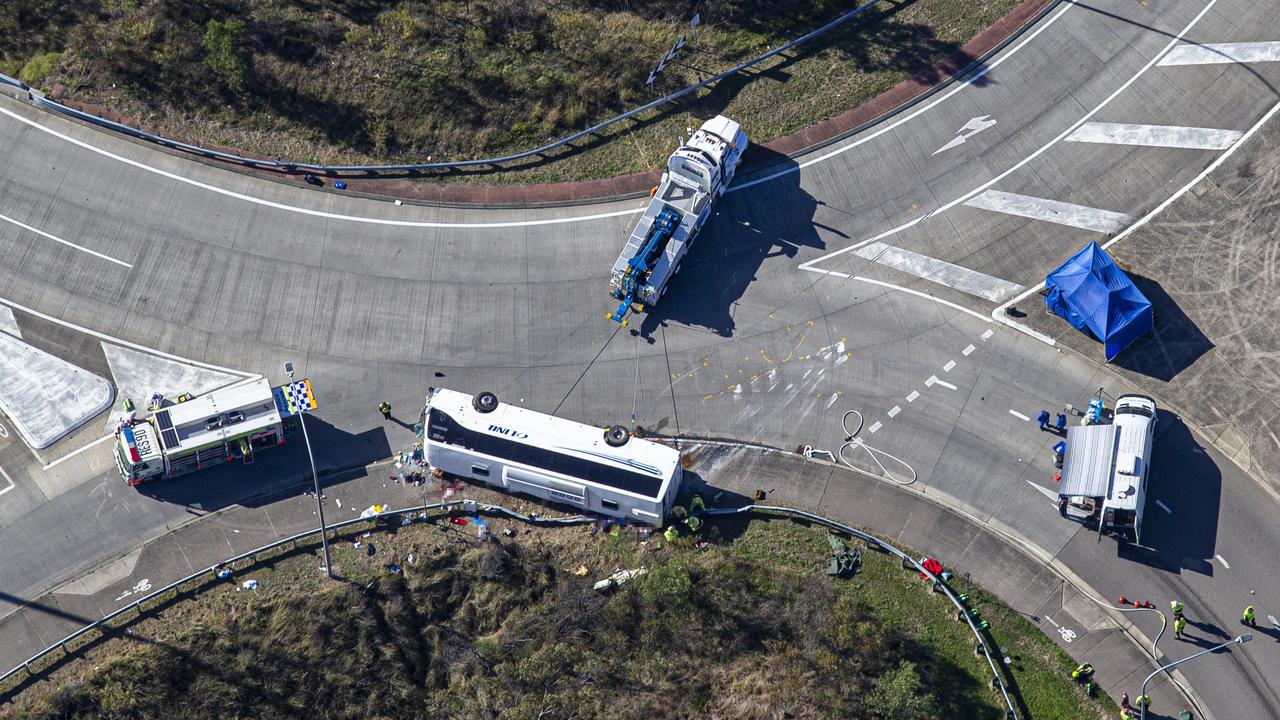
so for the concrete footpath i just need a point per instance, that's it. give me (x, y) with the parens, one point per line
(1087, 631)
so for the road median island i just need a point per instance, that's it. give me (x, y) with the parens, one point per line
(800, 98)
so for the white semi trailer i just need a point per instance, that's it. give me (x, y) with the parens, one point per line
(697, 173)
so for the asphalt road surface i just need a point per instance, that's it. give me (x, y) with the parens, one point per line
(859, 277)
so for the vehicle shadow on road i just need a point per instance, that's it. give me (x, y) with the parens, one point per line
(1174, 344)
(1186, 480)
(275, 472)
(768, 222)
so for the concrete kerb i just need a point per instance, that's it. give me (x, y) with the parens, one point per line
(293, 483)
(172, 146)
(1016, 540)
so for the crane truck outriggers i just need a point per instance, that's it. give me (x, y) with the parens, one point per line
(697, 173)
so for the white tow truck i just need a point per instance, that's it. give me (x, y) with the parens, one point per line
(697, 173)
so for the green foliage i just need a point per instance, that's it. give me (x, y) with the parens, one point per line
(39, 68)
(901, 695)
(225, 53)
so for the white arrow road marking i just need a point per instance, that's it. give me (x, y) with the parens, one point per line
(1170, 136)
(1222, 54)
(933, 380)
(974, 126)
(1054, 211)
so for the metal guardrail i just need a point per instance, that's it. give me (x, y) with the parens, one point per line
(996, 677)
(6, 80)
(137, 605)
(472, 506)
(495, 162)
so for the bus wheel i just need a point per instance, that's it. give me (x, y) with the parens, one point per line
(485, 402)
(616, 436)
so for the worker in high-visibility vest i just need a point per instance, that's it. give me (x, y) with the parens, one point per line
(1082, 673)
(384, 407)
(1176, 607)
(1247, 619)
(1179, 624)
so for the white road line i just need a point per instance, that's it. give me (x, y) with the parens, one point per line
(986, 335)
(78, 450)
(126, 343)
(1169, 136)
(1051, 622)
(1040, 151)
(8, 479)
(968, 350)
(944, 273)
(933, 380)
(1164, 507)
(68, 243)
(1224, 562)
(1019, 415)
(899, 288)
(1054, 211)
(948, 367)
(308, 211)
(912, 397)
(874, 426)
(893, 411)
(1223, 53)
(907, 118)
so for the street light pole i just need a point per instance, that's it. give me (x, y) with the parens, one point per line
(315, 480)
(1143, 693)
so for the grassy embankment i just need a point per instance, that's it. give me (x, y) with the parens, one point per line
(747, 627)
(357, 81)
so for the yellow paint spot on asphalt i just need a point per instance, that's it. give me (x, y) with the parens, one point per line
(707, 397)
(808, 323)
(706, 362)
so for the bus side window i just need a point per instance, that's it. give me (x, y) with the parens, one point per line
(609, 504)
(482, 470)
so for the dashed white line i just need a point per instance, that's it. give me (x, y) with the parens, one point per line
(874, 426)
(68, 243)
(1164, 507)
(933, 380)
(893, 411)
(1019, 415)
(988, 334)
(1224, 562)
(912, 397)
(1222, 53)
(948, 367)
(968, 350)
(1169, 136)
(1054, 211)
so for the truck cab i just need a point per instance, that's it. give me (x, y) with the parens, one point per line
(137, 453)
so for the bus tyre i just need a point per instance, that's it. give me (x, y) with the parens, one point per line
(485, 402)
(616, 436)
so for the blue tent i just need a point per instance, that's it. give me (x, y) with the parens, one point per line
(1089, 291)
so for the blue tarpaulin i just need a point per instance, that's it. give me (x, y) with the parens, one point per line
(1089, 291)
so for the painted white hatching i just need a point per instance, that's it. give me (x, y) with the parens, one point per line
(1168, 136)
(1054, 211)
(8, 323)
(138, 374)
(941, 272)
(1222, 54)
(45, 396)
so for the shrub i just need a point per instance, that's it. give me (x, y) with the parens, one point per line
(39, 68)
(225, 54)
